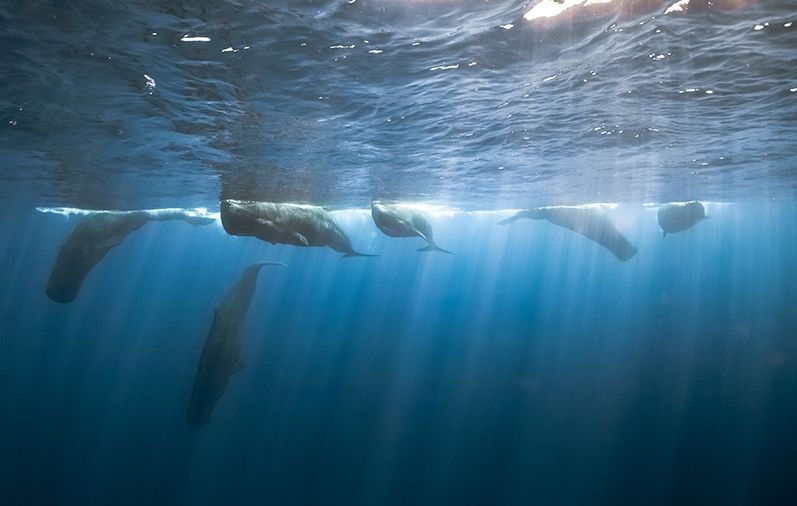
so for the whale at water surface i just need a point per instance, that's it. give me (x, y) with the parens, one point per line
(295, 224)
(94, 236)
(679, 216)
(592, 223)
(403, 221)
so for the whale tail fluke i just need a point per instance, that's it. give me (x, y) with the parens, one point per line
(280, 264)
(257, 266)
(509, 220)
(434, 247)
(534, 214)
(192, 217)
(627, 253)
(357, 254)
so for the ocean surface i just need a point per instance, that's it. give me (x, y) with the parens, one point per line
(529, 367)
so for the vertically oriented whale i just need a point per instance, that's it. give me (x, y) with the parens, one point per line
(221, 353)
(590, 222)
(299, 225)
(97, 234)
(679, 216)
(400, 221)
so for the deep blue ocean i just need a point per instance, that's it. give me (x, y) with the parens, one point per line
(529, 367)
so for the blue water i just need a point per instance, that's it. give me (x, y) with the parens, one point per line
(531, 367)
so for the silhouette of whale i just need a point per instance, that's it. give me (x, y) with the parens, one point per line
(97, 234)
(221, 353)
(299, 225)
(679, 216)
(400, 221)
(589, 222)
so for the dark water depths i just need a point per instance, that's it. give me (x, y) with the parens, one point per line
(531, 367)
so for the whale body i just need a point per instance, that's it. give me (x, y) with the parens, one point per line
(679, 216)
(93, 237)
(400, 221)
(299, 225)
(221, 353)
(589, 222)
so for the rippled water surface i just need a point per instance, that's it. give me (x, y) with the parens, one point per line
(161, 103)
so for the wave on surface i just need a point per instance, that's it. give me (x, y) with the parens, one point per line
(335, 102)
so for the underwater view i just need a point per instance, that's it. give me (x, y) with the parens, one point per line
(365, 252)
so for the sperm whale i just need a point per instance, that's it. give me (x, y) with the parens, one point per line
(401, 221)
(221, 353)
(299, 225)
(94, 236)
(679, 216)
(589, 222)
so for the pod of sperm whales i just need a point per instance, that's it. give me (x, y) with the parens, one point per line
(94, 236)
(221, 353)
(590, 222)
(679, 216)
(299, 225)
(400, 221)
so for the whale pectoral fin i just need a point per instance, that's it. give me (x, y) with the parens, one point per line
(111, 241)
(238, 367)
(434, 247)
(420, 234)
(283, 230)
(398, 227)
(534, 214)
(302, 239)
(357, 254)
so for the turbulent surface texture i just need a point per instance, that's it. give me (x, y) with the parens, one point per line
(336, 102)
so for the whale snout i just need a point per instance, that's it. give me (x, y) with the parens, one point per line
(62, 294)
(64, 283)
(627, 253)
(235, 217)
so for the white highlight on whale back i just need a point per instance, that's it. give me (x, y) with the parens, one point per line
(195, 212)
(354, 215)
(594, 205)
(427, 208)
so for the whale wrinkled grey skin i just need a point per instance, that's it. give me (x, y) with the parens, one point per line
(299, 225)
(396, 221)
(221, 353)
(680, 216)
(589, 222)
(93, 237)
